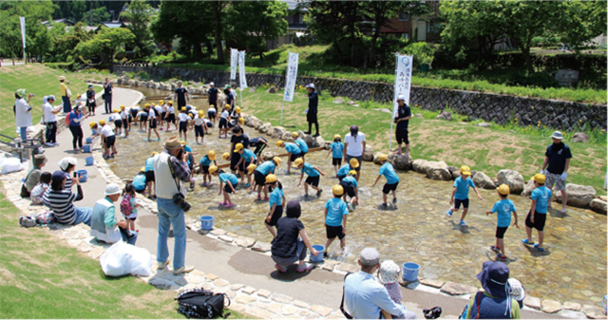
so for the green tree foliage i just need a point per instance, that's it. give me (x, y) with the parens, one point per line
(38, 41)
(139, 15)
(65, 41)
(79, 10)
(107, 41)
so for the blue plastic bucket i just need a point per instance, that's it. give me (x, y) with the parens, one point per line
(89, 140)
(207, 222)
(89, 161)
(319, 256)
(86, 148)
(410, 271)
(83, 174)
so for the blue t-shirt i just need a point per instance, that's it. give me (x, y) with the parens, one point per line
(542, 195)
(336, 208)
(229, 177)
(139, 182)
(187, 148)
(336, 149)
(462, 188)
(248, 155)
(276, 197)
(343, 171)
(75, 115)
(292, 148)
(351, 181)
(266, 167)
(389, 173)
(150, 164)
(205, 161)
(503, 209)
(302, 145)
(309, 170)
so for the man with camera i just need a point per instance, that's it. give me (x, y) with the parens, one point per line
(171, 168)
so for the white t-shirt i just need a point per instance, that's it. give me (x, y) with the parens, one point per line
(159, 109)
(123, 114)
(47, 110)
(171, 110)
(136, 108)
(151, 114)
(198, 121)
(107, 131)
(212, 110)
(183, 117)
(225, 114)
(355, 147)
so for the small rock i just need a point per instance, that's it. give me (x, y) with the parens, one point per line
(481, 180)
(551, 306)
(244, 299)
(161, 283)
(271, 90)
(261, 246)
(282, 298)
(221, 283)
(264, 293)
(211, 277)
(236, 287)
(513, 179)
(580, 137)
(195, 279)
(445, 115)
(338, 100)
(351, 103)
(245, 242)
(301, 304)
(226, 238)
(419, 115)
(218, 232)
(483, 124)
(275, 308)
(252, 89)
(532, 302)
(593, 312)
(432, 283)
(248, 290)
(574, 306)
(347, 267)
(322, 310)
(289, 310)
(598, 206)
(456, 289)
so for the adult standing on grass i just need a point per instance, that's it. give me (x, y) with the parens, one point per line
(171, 168)
(49, 118)
(107, 96)
(23, 116)
(557, 157)
(181, 96)
(402, 119)
(354, 144)
(313, 106)
(66, 95)
(212, 95)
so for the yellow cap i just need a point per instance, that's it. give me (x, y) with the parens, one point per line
(337, 136)
(294, 135)
(352, 172)
(337, 190)
(226, 155)
(170, 102)
(277, 160)
(250, 168)
(92, 124)
(161, 101)
(154, 153)
(184, 109)
(212, 169)
(280, 143)
(143, 169)
(504, 189)
(354, 163)
(211, 155)
(147, 105)
(201, 113)
(540, 178)
(241, 120)
(122, 107)
(298, 162)
(182, 142)
(237, 109)
(238, 147)
(115, 110)
(271, 178)
(102, 122)
(465, 170)
(382, 157)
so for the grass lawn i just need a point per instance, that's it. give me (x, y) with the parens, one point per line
(484, 149)
(41, 81)
(42, 277)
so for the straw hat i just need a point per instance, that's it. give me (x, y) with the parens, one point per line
(173, 143)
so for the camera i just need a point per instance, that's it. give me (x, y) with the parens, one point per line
(179, 200)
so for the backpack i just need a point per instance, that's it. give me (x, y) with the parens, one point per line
(27, 221)
(33, 220)
(202, 304)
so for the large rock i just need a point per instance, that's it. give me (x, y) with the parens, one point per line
(513, 179)
(268, 155)
(454, 171)
(307, 138)
(598, 205)
(253, 121)
(252, 89)
(578, 195)
(265, 127)
(438, 170)
(338, 100)
(593, 312)
(399, 161)
(272, 90)
(277, 132)
(444, 115)
(419, 165)
(482, 180)
(551, 306)
(317, 142)
(580, 137)
(528, 189)
(287, 136)
(376, 157)
(369, 154)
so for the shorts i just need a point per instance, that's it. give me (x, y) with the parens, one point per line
(500, 232)
(293, 156)
(110, 141)
(348, 189)
(118, 123)
(313, 181)
(278, 213)
(205, 169)
(340, 178)
(129, 118)
(333, 232)
(140, 191)
(227, 188)
(211, 115)
(259, 178)
(465, 203)
(234, 159)
(336, 161)
(153, 123)
(556, 179)
(198, 131)
(360, 158)
(539, 221)
(171, 117)
(183, 126)
(243, 166)
(134, 113)
(223, 123)
(392, 187)
(402, 136)
(150, 176)
(143, 118)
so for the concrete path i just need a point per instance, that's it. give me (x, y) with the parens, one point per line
(236, 264)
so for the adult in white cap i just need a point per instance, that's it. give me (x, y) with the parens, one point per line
(555, 167)
(402, 119)
(313, 106)
(49, 118)
(212, 95)
(364, 296)
(104, 226)
(23, 116)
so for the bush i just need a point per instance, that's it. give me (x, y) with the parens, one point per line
(538, 79)
(423, 53)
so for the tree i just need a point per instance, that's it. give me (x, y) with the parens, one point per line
(108, 41)
(218, 7)
(139, 15)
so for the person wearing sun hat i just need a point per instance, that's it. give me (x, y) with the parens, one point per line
(49, 119)
(301, 144)
(352, 164)
(494, 302)
(200, 127)
(460, 194)
(108, 138)
(313, 173)
(336, 214)
(537, 215)
(104, 226)
(33, 177)
(336, 149)
(388, 275)
(556, 165)
(247, 157)
(351, 189)
(364, 296)
(402, 119)
(503, 209)
(23, 115)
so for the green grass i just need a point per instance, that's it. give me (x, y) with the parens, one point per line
(484, 149)
(41, 277)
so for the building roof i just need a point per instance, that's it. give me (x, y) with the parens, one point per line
(112, 24)
(293, 5)
(65, 21)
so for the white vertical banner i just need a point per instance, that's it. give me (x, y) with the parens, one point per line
(292, 75)
(22, 21)
(403, 83)
(242, 76)
(234, 56)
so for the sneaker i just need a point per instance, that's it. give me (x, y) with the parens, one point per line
(528, 242)
(462, 224)
(259, 198)
(266, 198)
(449, 213)
(539, 248)
(316, 135)
(184, 269)
(383, 206)
(191, 185)
(229, 205)
(56, 144)
(222, 203)
(163, 265)
(205, 184)
(394, 200)
(247, 185)
(495, 249)
(305, 267)
(280, 268)
(350, 207)
(319, 193)
(210, 183)
(306, 195)
(501, 256)
(325, 255)
(49, 144)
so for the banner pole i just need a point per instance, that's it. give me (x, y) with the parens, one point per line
(282, 104)
(390, 137)
(241, 98)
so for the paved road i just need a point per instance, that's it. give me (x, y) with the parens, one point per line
(236, 264)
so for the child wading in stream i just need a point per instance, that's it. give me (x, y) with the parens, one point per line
(336, 150)
(231, 182)
(336, 213)
(460, 195)
(503, 209)
(392, 180)
(277, 201)
(313, 174)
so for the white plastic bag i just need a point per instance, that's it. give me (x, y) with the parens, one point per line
(122, 258)
(11, 165)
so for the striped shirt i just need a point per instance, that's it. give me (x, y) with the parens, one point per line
(61, 203)
(68, 183)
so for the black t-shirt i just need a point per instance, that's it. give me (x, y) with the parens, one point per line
(557, 154)
(313, 102)
(285, 245)
(90, 94)
(181, 94)
(212, 95)
(403, 112)
(242, 139)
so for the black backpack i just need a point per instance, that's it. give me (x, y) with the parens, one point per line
(202, 304)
